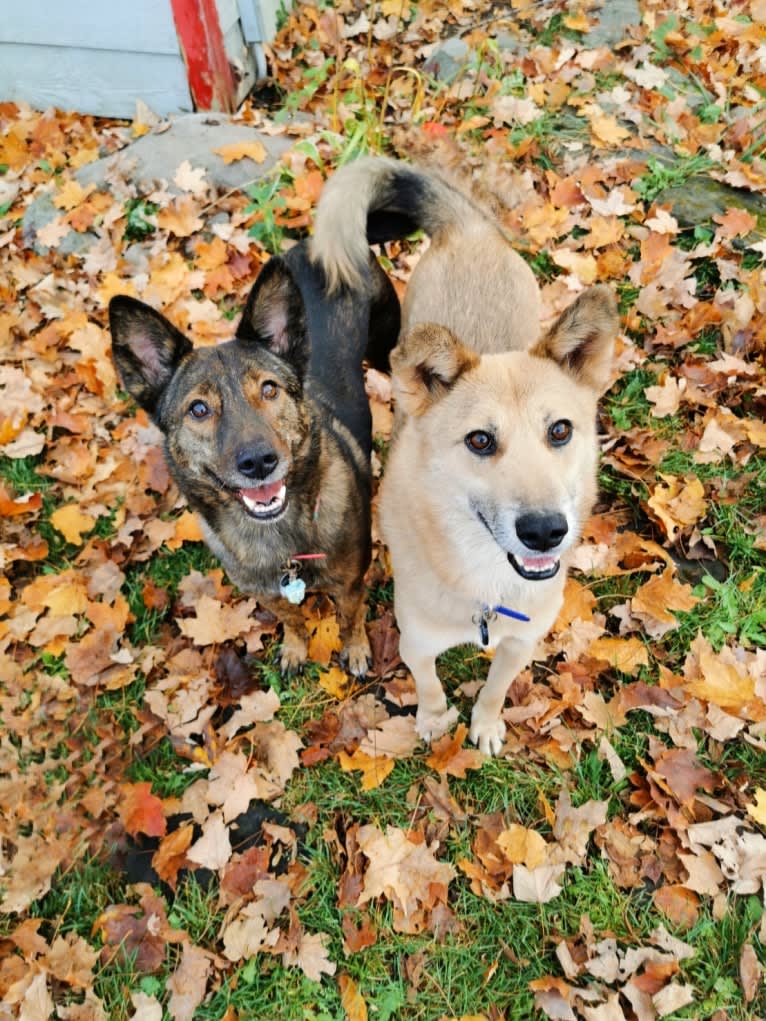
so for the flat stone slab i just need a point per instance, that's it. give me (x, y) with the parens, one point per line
(194, 137)
(156, 156)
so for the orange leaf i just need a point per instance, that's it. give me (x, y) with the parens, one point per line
(252, 150)
(351, 999)
(678, 904)
(10, 507)
(170, 856)
(186, 530)
(449, 756)
(735, 222)
(141, 811)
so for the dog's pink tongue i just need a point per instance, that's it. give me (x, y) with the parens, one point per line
(263, 494)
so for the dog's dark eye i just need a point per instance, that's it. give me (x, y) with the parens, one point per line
(560, 432)
(480, 442)
(199, 410)
(269, 390)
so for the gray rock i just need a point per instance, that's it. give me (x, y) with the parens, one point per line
(193, 137)
(614, 17)
(449, 59)
(700, 198)
(155, 157)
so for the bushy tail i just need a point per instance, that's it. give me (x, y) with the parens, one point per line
(376, 199)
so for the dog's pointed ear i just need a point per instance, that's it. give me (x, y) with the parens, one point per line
(275, 315)
(146, 348)
(581, 340)
(426, 363)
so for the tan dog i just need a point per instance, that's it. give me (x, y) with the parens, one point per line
(493, 467)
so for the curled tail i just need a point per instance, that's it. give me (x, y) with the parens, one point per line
(376, 199)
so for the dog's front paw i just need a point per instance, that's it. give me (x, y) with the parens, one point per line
(432, 725)
(293, 658)
(356, 658)
(488, 734)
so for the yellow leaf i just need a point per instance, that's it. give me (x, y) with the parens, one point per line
(374, 770)
(757, 810)
(72, 522)
(187, 530)
(71, 195)
(399, 8)
(253, 150)
(624, 654)
(523, 846)
(336, 682)
(324, 639)
(576, 22)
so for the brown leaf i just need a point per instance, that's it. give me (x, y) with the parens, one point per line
(141, 811)
(678, 904)
(684, 775)
(750, 972)
(311, 956)
(406, 873)
(170, 856)
(188, 983)
(449, 756)
(358, 937)
(250, 149)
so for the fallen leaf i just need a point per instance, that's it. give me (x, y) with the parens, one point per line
(449, 756)
(141, 811)
(252, 150)
(72, 522)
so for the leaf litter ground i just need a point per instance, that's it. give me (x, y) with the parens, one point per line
(185, 835)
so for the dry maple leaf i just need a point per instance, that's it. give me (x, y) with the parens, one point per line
(252, 150)
(213, 849)
(627, 655)
(406, 873)
(216, 622)
(678, 904)
(374, 769)
(188, 983)
(311, 956)
(449, 756)
(538, 885)
(246, 933)
(351, 999)
(522, 846)
(170, 856)
(141, 811)
(395, 737)
(191, 179)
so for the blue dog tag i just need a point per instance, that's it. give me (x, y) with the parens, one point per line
(293, 589)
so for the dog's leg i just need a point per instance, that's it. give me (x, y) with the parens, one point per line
(352, 610)
(487, 728)
(294, 639)
(434, 717)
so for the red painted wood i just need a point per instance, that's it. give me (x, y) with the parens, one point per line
(211, 81)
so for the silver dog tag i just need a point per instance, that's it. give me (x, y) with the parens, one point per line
(292, 588)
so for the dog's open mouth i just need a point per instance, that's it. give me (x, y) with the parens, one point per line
(264, 502)
(535, 568)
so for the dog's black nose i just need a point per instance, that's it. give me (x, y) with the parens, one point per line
(541, 531)
(257, 461)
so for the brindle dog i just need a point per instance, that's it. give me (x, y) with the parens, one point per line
(268, 436)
